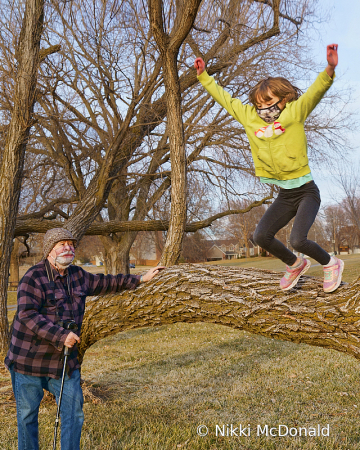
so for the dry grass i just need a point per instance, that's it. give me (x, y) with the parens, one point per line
(351, 272)
(156, 385)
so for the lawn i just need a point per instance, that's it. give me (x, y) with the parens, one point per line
(155, 386)
(351, 272)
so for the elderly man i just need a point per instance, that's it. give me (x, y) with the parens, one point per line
(51, 293)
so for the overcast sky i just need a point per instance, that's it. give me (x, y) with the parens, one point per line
(343, 29)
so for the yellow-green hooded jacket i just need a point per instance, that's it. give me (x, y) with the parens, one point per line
(279, 149)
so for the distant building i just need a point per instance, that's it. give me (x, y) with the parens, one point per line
(222, 249)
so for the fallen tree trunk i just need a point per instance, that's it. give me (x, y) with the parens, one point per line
(246, 299)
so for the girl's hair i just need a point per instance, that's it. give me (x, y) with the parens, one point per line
(278, 86)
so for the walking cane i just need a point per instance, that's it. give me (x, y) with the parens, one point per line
(70, 325)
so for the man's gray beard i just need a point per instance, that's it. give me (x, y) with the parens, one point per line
(62, 262)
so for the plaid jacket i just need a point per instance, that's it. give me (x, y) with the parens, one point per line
(37, 340)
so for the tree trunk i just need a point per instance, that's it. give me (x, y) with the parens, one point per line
(117, 260)
(169, 45)
(27, 55)
(245, 299)
(175, 235)
(117, 252)
(14, 265)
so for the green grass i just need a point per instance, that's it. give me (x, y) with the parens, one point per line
(159, 384)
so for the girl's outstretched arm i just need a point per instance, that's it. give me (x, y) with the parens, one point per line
(332, 59)
(307, 102)
(232, 105)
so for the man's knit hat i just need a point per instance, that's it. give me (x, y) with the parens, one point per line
(54, 236)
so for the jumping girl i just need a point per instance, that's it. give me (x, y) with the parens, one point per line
(274, 126)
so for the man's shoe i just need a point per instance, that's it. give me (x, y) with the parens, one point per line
(332, 275)
(292, 276)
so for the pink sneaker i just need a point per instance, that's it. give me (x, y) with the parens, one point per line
(332, 275)
(292, 276)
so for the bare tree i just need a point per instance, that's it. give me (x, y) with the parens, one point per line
(120, 148)
(242, 227)
(24, 72)
(145, 246)
(349, 179)
(101, 135)
(195, 247)
(89, 248)
(334, 218)
(83, 147)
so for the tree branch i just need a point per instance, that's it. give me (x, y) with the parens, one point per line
(105, 228)
(47, 208)
(244, 299)
(44, 52)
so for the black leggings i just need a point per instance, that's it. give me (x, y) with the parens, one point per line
(303, 203)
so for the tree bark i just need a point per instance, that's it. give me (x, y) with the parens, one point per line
(116, 260)
(175, 234)
(169, 46)
(27, 55)
(246, 299)
(117, 250)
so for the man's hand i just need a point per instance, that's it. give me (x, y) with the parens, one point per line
(199, 65)
(71, 340)
(152, 272)
(332, 59)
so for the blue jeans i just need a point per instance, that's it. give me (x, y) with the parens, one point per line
(29, 391)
